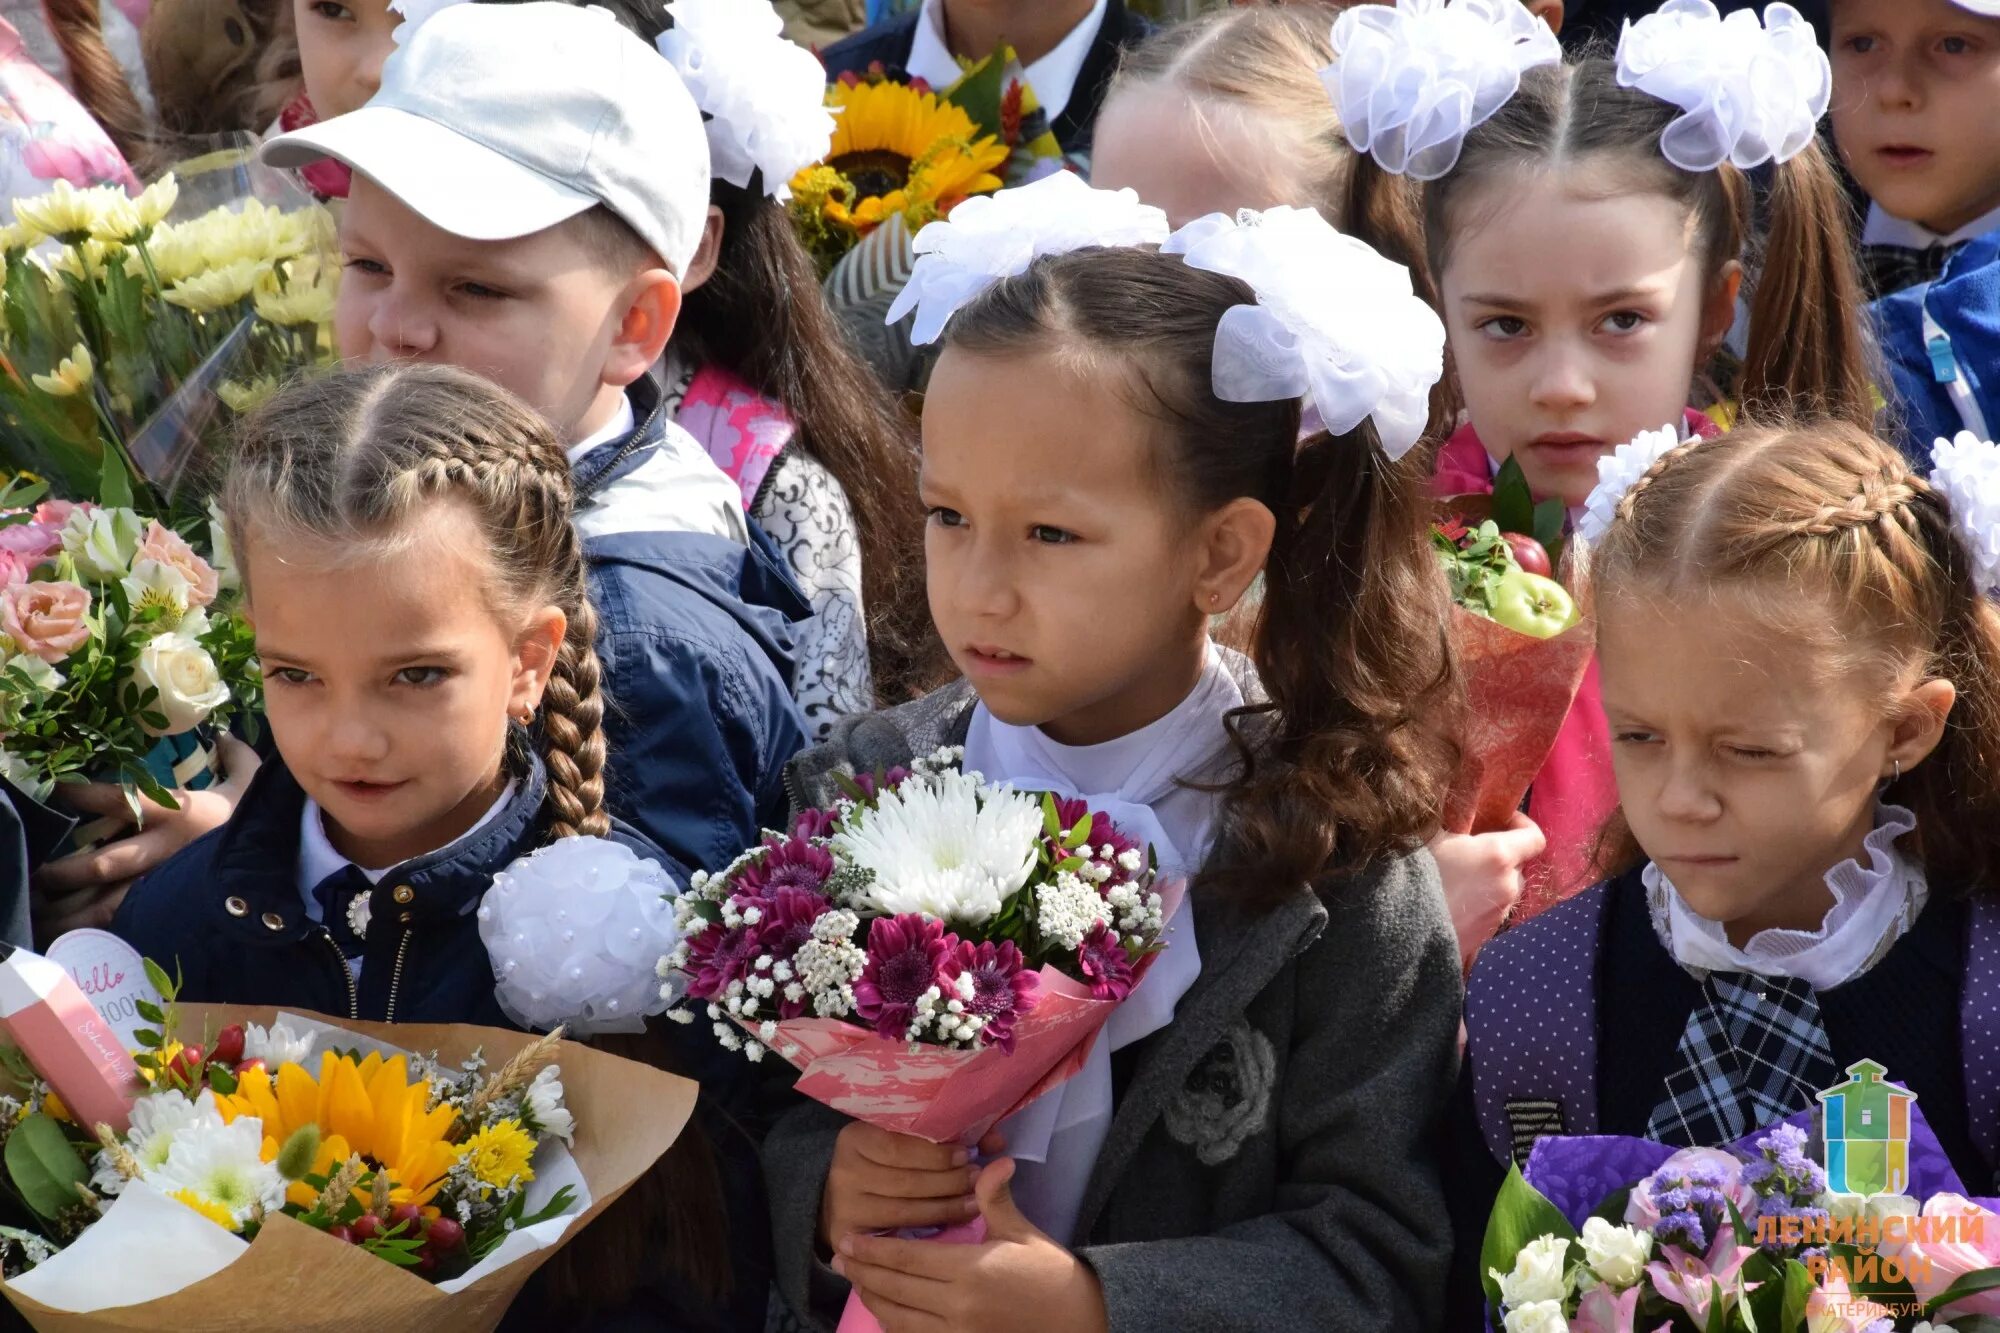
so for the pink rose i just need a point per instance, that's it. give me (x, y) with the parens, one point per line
(31, 543)
(55, 513)
(1974, 1244)
(46, 620)
(166, 546)
(12, 571)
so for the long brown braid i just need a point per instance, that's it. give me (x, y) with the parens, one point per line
(99, 80)
(1845, 549)
(354, 460)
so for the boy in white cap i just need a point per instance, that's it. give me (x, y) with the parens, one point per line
(1916, 113)
(530, 190)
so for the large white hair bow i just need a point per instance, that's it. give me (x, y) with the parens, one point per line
(1334, 322)
(991, 237)
(1967, 471)
(1751, 92)
(765, 98)
(1412, 81)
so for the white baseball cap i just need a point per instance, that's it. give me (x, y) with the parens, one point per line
(1989, 8)
(498, 121)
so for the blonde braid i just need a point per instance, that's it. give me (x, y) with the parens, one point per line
(1652, 474)
(1881, 496)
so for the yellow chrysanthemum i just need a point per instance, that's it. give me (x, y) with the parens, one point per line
(209, 1209)
(305, 297)
(896, 150)
(242, 398)
(217, 288)
(87, 260)
(15, 238)
(166, 1054)
(70, 378)
(65, 213)
(367, 1107)
(499, 1154)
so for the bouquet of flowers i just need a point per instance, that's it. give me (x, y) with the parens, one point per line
(132, 336)
(932, 953)
(1614, 1235)
(118, 641)
(1521, 639)
(277, 1154)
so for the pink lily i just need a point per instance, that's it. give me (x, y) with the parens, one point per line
(1695, 1282)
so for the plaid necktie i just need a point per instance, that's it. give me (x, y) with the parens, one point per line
(1753, 1053)
(1895, 268)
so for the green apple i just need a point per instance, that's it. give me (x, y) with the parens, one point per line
(1532, 604)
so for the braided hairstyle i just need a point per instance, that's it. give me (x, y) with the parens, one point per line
(1843, 547)
(355, 459)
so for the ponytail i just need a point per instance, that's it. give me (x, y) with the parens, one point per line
(100, 82)
(1387, 211)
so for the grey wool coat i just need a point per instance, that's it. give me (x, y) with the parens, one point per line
(1270, 1163)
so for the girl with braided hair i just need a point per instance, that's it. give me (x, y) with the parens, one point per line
(1801, 674)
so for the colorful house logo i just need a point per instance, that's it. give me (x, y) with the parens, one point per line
(1866, 1125)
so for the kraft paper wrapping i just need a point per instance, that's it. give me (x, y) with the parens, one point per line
(627, 1116)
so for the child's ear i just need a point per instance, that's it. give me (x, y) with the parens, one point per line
(1919, 725)
(1548, 11)
(535, 654)
(1718, 313)
(1235, 543)
(702, 267)
(641, 338)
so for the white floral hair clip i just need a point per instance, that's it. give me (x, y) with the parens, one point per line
(1750, 92)
(992, 237)
(1967, 471)
(1334, 323)
(1617, 473)
(765, 97)
(1413, 80)
(415, 14)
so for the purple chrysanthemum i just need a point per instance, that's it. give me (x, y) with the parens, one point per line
(789, 863)
(1002, 989)
(903, 957)
(1105, 964)
(719, 956)
(788, 917)
(814, 824)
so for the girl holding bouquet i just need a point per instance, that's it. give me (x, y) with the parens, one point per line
(1102, 479)
(1802, 678)
(1589, 224)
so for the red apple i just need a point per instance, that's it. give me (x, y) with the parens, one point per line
(1529, 554)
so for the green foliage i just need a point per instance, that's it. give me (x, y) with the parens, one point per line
(44, 1169)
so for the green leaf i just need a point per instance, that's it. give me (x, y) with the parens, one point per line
(161, 982)
(979, 91)
(1972, 1284)
(1080, 835)
(150, 787)
(1798, 1290)
(149, 1039)
(1718, 1309)
(1550, 516)
(43, 1166)
(149, 1011)
(222, 1080)
(1051, 826)
(1513, 503)
(1521, 1213)
(114, 484)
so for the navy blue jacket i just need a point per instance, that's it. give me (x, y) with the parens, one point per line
(695, 633)
(890, 41)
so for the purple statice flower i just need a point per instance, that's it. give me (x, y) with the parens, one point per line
(787, 863)
(1105, 964)
(719, 956)
(1003, 990)
(787, 923)
(904, 953)
(1692, 1204)
(1784, 1148)
(814, 824)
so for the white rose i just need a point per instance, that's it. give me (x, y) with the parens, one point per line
(1618, 1255)
(1541, 1273)
(1536, 1317)
(221, 556)
(185, 676)
(103, 541)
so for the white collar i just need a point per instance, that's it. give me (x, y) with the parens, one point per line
(1053, 77)
(1883, 228)
(318, 858)
(622, 423)
(1873, 905)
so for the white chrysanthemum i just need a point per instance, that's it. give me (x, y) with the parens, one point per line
(221, 1164)
(1967, 470)
(945, 847)
(276, 1045)
(545, 1110)
(1617, 472)
(156, 1121)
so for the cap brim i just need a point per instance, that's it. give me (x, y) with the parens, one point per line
(453, 182)
(1986, 8)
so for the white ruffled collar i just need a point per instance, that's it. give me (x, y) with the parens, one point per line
(1873, 905)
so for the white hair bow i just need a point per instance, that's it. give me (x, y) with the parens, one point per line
(1617, 473)
(1751, 92)
(1967, 471)
(1413, 80)
(765, 97)
(991, 237)
(1334, 323)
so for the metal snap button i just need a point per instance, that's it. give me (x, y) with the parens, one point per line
(236, 907)
(272, 921)
(405, 894)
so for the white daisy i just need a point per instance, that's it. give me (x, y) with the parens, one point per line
(222, 1165)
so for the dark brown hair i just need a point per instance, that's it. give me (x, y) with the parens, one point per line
(1850, 551)
(1807, 351)
(355, 459)
(1345, 760)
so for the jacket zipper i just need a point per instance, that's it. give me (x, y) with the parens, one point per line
(346, 974)
(396, 976)
(794, 790)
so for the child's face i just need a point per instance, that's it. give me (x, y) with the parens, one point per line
(538, 315)
(1745, 774)
(342, 44)
(1064, 585)
(389, 681)
(1916, 107)
(1575, 322)
(1189, 160)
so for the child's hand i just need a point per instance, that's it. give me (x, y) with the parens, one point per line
(1016, 1278)
(881, 1181)
(1482, 878)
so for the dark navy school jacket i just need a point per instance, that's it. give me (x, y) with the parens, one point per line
(696, 637)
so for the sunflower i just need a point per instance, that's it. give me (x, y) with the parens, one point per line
(895, 150)
(367, 1107)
